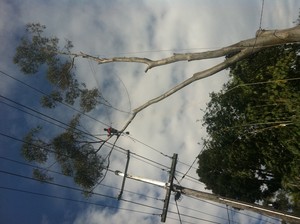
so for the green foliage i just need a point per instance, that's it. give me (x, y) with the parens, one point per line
(253, 149)
(38, 53)
(89, 99)
(76, 157)
(41, 176)
(33, 148)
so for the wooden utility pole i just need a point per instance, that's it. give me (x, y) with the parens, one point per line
(169, 187)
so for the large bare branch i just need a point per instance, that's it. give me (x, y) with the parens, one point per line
(263, 39)
(199, 75)
(240, 50)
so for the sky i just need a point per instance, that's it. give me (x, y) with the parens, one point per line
(151, 28)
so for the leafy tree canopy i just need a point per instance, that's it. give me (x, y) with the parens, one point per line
(76, 157)
(38, 54)
(253, 127)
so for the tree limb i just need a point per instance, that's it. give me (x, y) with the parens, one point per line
(264, 38)
(240, 50)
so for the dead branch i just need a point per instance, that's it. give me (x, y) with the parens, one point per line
(240, 50)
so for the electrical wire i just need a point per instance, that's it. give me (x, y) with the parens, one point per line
(110, 187)
(60, 122)
(118, 148)
(178, 212)
(261, 13)
(29, 86)
(6, 135)
(188, 170)
(238, 212)
(193, 217)
(228, 214)
(199, 211)
(93, 193)
(108, 164)
(74, 188)
(66, 125)
(152, 148)
(45, 94)
(59, 173)
(43, 115)
(260, 22)
(74, 200)
(131, 192)
(10, 136)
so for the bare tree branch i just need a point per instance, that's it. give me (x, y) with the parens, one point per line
(199, 75)
(263, 39)
(240, 50)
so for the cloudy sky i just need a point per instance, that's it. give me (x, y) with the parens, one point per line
(150, 28)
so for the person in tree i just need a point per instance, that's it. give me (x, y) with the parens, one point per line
(111, 131)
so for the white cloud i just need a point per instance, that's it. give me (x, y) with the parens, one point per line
(113, 28)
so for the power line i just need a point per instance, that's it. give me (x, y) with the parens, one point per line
(135, 202)
(33, 115)
(84, 132)
(260, 22)
(117, 147)
(228, 214)
(59, 173)
(14, 138)
(131, 192)
(52, 151)
(74, 200)
(44, 115)
(56, 120)
(239, 212)
(45, 94)
(74, 188)
(77, 189)
(152, 148)
(261, 13)
(187, 170)
(178, 212)
(193, 217)
(199, 211)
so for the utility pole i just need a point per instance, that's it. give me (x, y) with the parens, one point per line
(169, 186)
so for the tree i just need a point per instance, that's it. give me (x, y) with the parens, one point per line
(253, 126)
(37, 53)
(243, 49)
(76, 157)
(36, 50)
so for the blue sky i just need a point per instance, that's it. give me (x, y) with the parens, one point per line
(153, 29)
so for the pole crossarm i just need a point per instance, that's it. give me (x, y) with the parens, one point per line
(169, 186)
